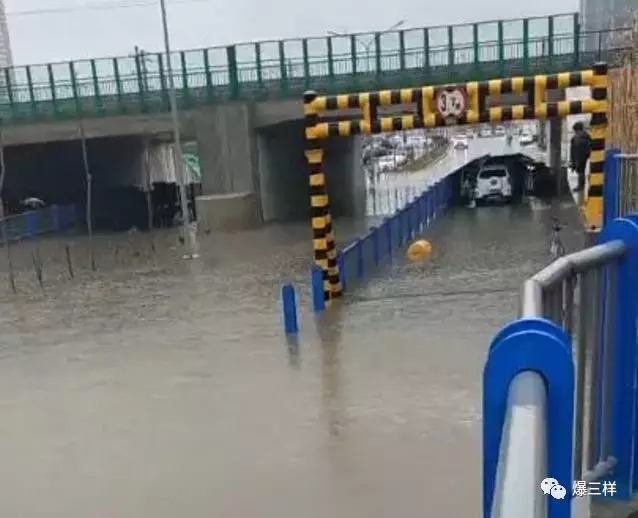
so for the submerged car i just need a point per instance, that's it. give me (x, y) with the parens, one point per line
(493, 184)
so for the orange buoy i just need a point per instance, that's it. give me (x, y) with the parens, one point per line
(419, 250)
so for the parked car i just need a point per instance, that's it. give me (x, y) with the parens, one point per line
(460, 143)
(526, 139)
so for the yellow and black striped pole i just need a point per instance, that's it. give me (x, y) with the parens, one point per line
(323, 243)
(593, 209)
(427, 113)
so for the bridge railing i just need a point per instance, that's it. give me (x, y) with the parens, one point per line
(400, 58)
(559, 395)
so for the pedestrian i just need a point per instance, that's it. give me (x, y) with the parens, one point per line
(580, 150)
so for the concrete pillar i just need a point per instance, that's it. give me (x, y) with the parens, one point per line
(228, 156)
(283, 172)
(555, 137)
(542, 135)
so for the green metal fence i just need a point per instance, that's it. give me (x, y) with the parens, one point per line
(275, 69)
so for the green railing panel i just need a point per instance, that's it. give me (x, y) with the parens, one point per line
(134, 84)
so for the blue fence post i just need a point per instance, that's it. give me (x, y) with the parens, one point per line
(540, 346)
(289, 308)
(611, 186)
(388, 237)
(55, 218)
(31, 223)
(360, 257)
(399, 219)
(376, 245)
(341, 264)
(431, 205)
(409, 231)
(623, 392)
(316, 288)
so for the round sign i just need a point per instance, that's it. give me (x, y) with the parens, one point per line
(451, 102)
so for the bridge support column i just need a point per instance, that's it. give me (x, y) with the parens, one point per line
(555, 137)
(284, 180)
(229, 162)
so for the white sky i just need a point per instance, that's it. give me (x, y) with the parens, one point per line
(82, 33)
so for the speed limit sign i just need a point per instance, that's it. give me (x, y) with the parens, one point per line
(451, 103)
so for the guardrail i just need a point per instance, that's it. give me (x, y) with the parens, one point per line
(377, 247)
(559, 394)
(284, 68)
(47, 220)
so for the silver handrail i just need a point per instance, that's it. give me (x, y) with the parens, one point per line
(522, 464)
(552, 294)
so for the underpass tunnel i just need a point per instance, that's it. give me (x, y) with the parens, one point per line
(283, 173)
(55, 173)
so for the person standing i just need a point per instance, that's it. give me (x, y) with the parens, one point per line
(579, 152)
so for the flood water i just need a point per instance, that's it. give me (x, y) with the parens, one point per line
(158, 387)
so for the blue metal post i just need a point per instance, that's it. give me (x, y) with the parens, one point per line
(407, 217)
(359, 252)
(611, 186)
(55, 218)
(388, 237)
(341, 264)
(31, 223)
(540, 346)
(316, 287)
(289, 307)
(624, 355)
(376, 245)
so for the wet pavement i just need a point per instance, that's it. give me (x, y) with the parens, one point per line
(157, 387)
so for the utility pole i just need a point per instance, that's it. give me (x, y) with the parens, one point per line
(189, 237)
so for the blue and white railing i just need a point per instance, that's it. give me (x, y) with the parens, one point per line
(559, 385)
(365, 254)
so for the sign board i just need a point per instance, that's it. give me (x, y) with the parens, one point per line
(451, 102)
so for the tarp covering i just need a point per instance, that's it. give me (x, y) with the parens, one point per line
(160, 163)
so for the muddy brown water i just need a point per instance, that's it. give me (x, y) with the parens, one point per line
(158, 387)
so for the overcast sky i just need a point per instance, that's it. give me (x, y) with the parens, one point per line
(115, 30)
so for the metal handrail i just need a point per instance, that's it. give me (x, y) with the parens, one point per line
(522, 464)
(551, 295)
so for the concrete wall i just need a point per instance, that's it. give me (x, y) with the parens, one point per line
(227, 148)
(283, 172)
(157, 124)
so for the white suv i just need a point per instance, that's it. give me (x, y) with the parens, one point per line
(493, 183)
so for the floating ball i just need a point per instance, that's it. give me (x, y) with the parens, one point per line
(419, 250)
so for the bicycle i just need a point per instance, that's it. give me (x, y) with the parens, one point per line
(556, 246)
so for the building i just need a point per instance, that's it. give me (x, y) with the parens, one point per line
(599, 15)
(6, 58)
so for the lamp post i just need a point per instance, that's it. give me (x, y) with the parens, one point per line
(189, 238)
(367, 45)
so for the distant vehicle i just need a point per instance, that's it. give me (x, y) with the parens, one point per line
(526, 139)
(499, 131)
(461, 143)
(485, 132)
(33, 203)
(493, 184)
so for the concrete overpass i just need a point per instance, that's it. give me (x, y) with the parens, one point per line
(242, 106)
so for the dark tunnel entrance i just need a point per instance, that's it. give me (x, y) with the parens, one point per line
(121, 170)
